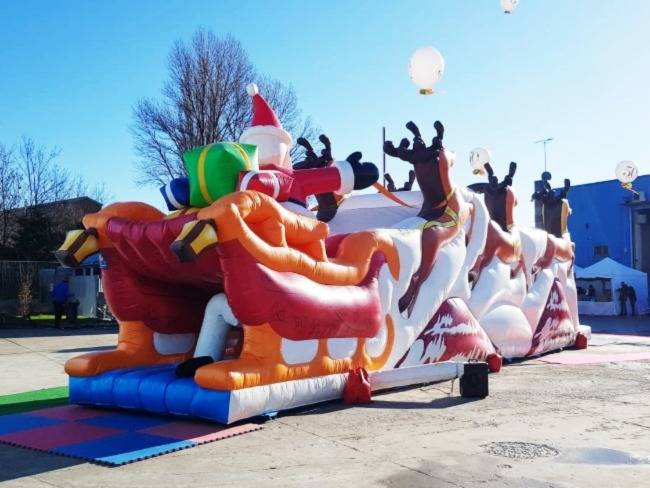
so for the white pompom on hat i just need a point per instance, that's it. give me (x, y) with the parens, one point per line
(252, 89)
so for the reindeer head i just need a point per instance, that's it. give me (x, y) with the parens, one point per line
(312, 160)
(555, 206)
(419, 153)
(365, 174)
(499, 197)
(547, 195)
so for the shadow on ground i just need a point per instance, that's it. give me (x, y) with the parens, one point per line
(378, 402)
(637, 325)
(29, 463)
(87, 349)
(7, 333)
(437, 403)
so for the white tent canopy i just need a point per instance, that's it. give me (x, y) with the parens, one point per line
(618, 273)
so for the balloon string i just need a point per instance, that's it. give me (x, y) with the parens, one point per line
(390, 195)
(628, 186)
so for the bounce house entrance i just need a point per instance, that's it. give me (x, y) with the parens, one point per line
(234, 343)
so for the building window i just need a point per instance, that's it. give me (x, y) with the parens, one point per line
(601, 251)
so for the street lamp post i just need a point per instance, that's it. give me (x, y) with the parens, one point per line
(544, 142)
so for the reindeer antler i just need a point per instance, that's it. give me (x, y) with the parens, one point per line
(565, 191)
(312, 160)
(326, 153)
(391, 184)
(410, 125)
(493, 181)
(546, 177)
(440, 134)
(420, 152)
(411, 179)
(507, 180)
(305, 143)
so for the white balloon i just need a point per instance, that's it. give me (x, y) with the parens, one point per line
(509, 5)
(478, 158)
(627, 171)
(426, 68)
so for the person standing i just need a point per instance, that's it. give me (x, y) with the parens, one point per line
(60, 294)
(622, 298)
(591, 293)
(631, 296)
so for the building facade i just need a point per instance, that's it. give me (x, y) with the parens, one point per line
(610, 221)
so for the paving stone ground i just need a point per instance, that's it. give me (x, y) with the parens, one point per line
(543, 425)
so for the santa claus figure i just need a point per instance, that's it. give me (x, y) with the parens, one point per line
(291, 185)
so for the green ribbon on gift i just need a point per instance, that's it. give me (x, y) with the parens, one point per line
(213, 170)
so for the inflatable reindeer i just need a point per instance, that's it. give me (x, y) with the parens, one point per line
(503, 239)
(443, 212)
(444, 241)
(524, 301)
(366, 174)
(555, 215)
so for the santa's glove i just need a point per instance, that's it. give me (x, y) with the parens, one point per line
(365, 174)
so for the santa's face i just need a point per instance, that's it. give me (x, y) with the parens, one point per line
(274, 153)
(273, 145)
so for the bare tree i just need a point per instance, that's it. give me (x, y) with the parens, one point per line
(35, 211)
(44, 180)
(9, 192)
(25, 290)
(203, 101)
(100, 193)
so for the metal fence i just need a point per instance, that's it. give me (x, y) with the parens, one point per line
(13, 273)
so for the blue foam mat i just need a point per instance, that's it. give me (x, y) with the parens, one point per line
(107, 436)
(153, 389)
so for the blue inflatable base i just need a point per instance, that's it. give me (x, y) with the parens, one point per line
(153, 389)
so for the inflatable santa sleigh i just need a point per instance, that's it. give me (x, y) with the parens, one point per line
(241, 302)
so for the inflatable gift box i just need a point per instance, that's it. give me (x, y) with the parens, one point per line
(213, 170)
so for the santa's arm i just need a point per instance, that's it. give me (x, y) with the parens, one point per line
(341, 177)
(274, 183)
(337, 178)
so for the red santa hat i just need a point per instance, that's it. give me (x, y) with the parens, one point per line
(264, 121)
(263, 114)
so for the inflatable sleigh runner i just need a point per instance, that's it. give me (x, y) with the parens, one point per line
(241, 302)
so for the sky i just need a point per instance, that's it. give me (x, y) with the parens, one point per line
(574, 70)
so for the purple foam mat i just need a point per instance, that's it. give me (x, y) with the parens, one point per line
(109, 437)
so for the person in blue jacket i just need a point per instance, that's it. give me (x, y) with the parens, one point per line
(60, 295)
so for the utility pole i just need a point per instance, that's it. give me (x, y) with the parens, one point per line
(383, 154)
(544, 142)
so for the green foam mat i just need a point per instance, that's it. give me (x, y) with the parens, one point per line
(33, 400)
